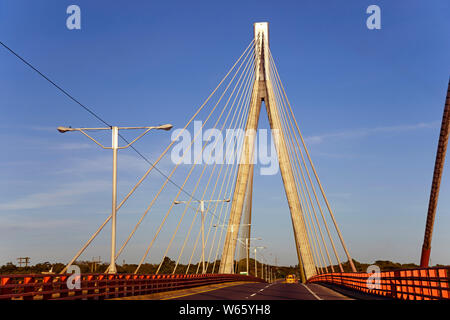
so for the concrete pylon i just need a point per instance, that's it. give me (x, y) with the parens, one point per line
(263, 91)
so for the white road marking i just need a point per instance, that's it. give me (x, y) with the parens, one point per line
(315, 295)
(259, 290)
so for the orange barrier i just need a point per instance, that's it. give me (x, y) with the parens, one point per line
(409, 284)
(103, 286)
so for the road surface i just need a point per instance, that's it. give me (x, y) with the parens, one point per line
(266, 291)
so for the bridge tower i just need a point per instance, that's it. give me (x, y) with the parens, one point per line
(263, 91)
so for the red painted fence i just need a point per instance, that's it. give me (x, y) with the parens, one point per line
(410, 284)
(103, 286)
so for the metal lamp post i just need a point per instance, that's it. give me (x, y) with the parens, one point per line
(262, 264)
(270, 269)
(256, 269)
(247, 247)
(202, 210)
(115, 147)
(239, 239)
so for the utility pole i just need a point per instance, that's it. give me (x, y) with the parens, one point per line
(114, 147)
(23, 260)
(95, 263)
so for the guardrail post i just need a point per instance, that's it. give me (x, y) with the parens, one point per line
(444, 275)
(47, 287)
(101, 286)
(28, 288)
(4, 290)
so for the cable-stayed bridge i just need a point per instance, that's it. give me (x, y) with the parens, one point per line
(208, 219)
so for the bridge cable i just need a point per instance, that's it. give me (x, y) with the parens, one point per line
(326, 226)
(156, 162)
(294, 162)
(318, 181)
(196, 241)
(89, 111)
(233, 173)
(153, 165)
(245, 96)
(189, 174)
(205, 166)
(301, 154)
(300, 181)
(163, 222)
(243, 111)
(159, 192)
(248, 101)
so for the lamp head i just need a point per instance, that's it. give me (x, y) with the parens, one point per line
(64, 129)
(166, 127)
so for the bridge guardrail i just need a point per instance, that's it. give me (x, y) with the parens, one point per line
(103, 286)
(408, 284)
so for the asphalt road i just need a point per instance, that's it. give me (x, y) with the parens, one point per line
(265, 291)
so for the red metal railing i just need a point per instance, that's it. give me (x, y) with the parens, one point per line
(410, 284)
(103, 286)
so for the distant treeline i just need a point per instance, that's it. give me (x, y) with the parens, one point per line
(168, 266)
(384, 265)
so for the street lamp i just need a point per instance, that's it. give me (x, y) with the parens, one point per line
(247, 248)
(114, 146)
(239, 239)
(270, 269)
(202, 210)
(265, 267)
(256, 270)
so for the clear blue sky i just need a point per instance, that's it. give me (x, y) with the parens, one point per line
(369, 101)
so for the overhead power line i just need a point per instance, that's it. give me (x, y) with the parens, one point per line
(71, 97)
